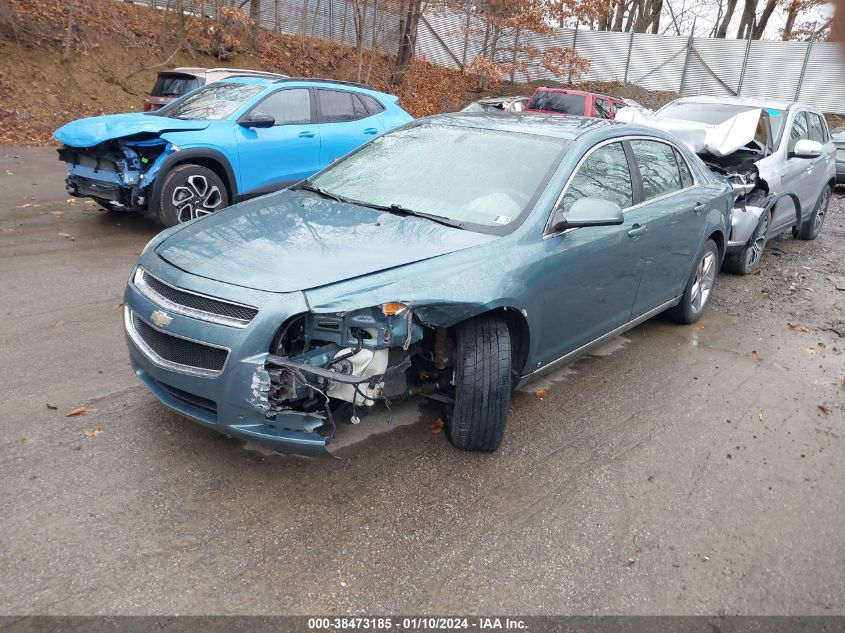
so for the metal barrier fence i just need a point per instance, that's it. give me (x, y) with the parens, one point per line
(810, 72)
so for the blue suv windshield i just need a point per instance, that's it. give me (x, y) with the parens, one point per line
(214, 102)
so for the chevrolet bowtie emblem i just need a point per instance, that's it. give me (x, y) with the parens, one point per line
(160, 318)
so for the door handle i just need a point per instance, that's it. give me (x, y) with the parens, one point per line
(637, 230)
(701, 206)
(306, 134)
(370, 130)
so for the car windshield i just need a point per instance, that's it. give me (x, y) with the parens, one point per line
(562, 102)
(214, 102)
(464, 174)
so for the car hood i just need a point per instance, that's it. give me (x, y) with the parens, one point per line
(290, 241)
(702, 138)
(98, 129)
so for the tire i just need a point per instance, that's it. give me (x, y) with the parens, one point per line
(696, 297)
(810, 229)
(482, 385)
(189, 192)
(745, 261)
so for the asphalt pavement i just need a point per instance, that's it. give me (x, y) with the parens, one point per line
(679, 470)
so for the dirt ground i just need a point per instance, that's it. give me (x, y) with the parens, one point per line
(679, 470)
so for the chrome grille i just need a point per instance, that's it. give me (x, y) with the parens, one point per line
(174, 352)
(192, 304)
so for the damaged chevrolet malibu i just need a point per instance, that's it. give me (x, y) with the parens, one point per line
(423, 264)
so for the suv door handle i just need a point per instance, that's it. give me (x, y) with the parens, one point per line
(306, 134)
(637, 230)
(370, 130)
(701, 206)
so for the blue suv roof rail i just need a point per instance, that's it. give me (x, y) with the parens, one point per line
(326, 81)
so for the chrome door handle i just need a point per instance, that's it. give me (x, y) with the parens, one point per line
(306, 134)
(637, 230)
(701, 206)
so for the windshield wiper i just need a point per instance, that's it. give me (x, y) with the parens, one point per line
(307, 186)
(400, 210)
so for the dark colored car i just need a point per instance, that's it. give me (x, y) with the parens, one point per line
(172, 84)
(574, 102)
(424, 264)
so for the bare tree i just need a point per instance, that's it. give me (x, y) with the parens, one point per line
(6, 17)
(408, 24)
(255, 19)
(746, 21)
(763, 20)
(728, 15)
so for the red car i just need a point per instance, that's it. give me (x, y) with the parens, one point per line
(577, 102)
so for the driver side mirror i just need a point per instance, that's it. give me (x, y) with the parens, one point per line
(806, 148)
(258, 119)
(587, 212)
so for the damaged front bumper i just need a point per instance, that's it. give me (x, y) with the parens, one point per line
(116, 173)
(225, 376)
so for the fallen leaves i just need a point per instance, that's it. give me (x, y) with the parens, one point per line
(67, 236)
(80, 410)
(825, 409)
(93, 432)
(52, 407)
(437, 427)
(541, 393)
(795, 327)
(753, 355)
(117, 306)
(809, 350)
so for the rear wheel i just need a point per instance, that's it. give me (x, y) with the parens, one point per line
(745, 261)
(699, 286)
(810, 229)
(482, 385)
(190, 192)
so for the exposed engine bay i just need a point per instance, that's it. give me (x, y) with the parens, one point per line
(322, 361)
(115, 173)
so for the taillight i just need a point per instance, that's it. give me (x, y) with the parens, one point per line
(147, 106)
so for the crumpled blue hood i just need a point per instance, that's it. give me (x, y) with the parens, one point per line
(98, 129)
(287, 241)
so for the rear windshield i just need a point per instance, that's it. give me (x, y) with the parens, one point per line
(214, 102)
(558, 102)
(174, 85)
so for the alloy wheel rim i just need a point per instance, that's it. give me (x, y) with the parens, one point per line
(819, 219)
(756, 250)
(195, 198)
(705, 276)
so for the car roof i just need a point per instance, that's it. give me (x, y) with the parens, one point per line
(565, 127)
(779, 104)
(309, 81)
(582, 93)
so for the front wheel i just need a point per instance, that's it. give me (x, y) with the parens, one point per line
(699, 286)
(810, 229)
(482, 385)
(190, 192)
(745, 261)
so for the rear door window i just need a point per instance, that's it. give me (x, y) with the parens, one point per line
(174, 85)
(289, 107)
(683, 168)
(338, 106)
(562, 102)
(658, 168)
(371, 103)
(605, 175)
(818, 129)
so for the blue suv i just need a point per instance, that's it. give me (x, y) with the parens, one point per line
(225, 142)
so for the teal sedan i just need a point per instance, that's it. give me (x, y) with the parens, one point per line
(451, 258)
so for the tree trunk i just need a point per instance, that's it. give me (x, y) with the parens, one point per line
(466, 34)
(69, 33)
(791, 15)
(726, 19)
(620, 15)
(633, 15)
(514, 54)
(656, 10)
(255, 18)
(758, 31)
(746, 24)
(407, 41)
(5, 14)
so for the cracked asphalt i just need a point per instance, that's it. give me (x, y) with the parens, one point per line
(679, 470)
